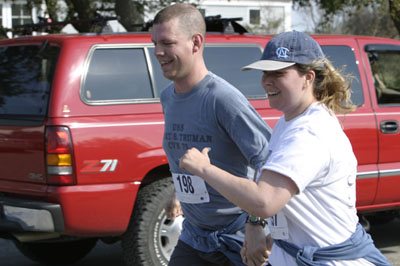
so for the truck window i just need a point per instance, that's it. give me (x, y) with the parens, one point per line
(342, 57)
(159, 81)
(26, 74)
(225, 61)
(386, 75)
(117, 75)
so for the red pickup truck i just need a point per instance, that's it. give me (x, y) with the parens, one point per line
(81, 130)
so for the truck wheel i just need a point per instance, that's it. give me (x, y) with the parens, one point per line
(151, 237)
(56, 253)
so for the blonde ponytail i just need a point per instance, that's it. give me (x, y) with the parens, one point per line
(331, 87)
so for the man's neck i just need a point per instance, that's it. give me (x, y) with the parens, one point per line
(186, 85)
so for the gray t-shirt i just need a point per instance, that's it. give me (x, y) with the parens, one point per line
(214, 114)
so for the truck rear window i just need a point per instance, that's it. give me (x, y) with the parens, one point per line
(225, 61)
(343, 58)
(26, 74)
(117, 74)
(120, 74)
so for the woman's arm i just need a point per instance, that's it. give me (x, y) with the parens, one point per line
(263, 199)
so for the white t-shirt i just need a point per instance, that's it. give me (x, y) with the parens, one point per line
(314, 152)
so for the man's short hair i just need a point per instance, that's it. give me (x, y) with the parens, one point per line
(190, 18)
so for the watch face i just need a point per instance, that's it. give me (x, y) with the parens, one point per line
(254, 219)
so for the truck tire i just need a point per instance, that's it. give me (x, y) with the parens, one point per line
(56, 253)
(151, 237)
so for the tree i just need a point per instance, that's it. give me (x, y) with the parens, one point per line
(129, 12)
(369, 21)
(354, 7)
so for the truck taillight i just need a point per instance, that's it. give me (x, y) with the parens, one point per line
(59, 156)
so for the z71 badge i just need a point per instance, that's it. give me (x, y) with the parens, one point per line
(99, 166)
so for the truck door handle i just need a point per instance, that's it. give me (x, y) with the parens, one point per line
(389, 127)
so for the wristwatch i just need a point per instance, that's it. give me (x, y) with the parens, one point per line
(251, 219)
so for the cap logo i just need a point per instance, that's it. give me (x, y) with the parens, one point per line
(282, 52)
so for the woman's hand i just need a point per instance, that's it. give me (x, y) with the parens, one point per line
(257, 247)
(194, 161)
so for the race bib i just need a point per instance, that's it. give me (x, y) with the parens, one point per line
(190, 189)
(278, 226)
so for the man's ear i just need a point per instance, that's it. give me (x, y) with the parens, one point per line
(198, 41)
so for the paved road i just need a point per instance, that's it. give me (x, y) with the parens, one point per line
(386, 237)
(101, 255)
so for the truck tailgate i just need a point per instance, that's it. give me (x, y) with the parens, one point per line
(22, 154)
(26, 74)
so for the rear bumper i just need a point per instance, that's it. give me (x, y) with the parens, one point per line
(95, 210)
(82, 210)
(18, 215)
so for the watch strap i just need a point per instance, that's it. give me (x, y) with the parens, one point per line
(255, 220)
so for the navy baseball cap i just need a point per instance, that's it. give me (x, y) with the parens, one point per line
(287, 49)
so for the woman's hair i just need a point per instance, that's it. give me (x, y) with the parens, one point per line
(331, 87)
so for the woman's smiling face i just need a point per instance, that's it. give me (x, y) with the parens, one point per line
(288, 90)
